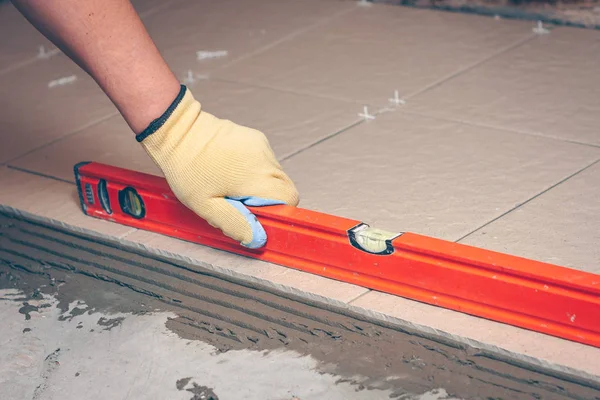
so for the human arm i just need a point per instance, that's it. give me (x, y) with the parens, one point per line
(213, 166)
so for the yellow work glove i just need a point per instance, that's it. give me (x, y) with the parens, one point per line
(217, 168)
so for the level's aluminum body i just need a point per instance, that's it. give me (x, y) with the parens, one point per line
(542, 297)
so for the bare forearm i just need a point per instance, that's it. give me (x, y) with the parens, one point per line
(108, 40)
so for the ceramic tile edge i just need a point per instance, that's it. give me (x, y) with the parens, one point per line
(518, 43)
(215, 77)
(529, 200)
(47, 54)
(431, 333)
(475, 124)
(38, 174)
(153, 10)
(290, 36)
(320, 140)
(164, 253)
(75, 131)
(20, 64)
(51, 221)
(249, 279)
(362, 118)
(527, 36)
(493, 351)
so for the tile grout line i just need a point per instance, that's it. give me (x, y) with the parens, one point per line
(16, 66)
(131, 232)
(284, 90)
(309, 94)
(127, 233)
(528, 200)
(68, 135)
(153, 10)
(499, 128)
(360, 296)
(24, 170)
(30, 61)
(286, 38)
(468, 68)
(324, 139)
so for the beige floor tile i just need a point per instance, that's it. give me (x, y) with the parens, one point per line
(561, 227)
(320, 286)
(147, 7)
(521, 341)
(547, 86)
(274, 273)
(369, 52)
(110, 141)
(230, 29)
(34, 114)
(50, 198)
(403, 172)
(290, 121)
(19, 41)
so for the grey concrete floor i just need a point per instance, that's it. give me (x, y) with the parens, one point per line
(85, 353)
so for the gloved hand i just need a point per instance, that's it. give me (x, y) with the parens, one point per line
(216, 167)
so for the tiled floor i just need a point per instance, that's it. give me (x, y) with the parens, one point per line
(545, 87)
(35, 113)
(560, 227)
(434, 177)
(292, 122)
(27, 49)
(495, 146)
(226, 31)
(367, 54)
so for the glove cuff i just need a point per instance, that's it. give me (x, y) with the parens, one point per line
(160, 122)
(172, 138)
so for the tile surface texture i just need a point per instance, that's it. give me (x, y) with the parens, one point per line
(402, 172)
(19, 40)
(110, 141)
(314, 284)
(521, 341)
(50, 199)
(147, 7)
(290, 121)
(547, 86)
(226, 30)
(36, 114)
(560, 227)
(366, 54)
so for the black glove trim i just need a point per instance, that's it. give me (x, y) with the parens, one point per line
(160, 121)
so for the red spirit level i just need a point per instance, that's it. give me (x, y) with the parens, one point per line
(542, 297)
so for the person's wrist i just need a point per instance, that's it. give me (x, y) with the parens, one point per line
(160, 122)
